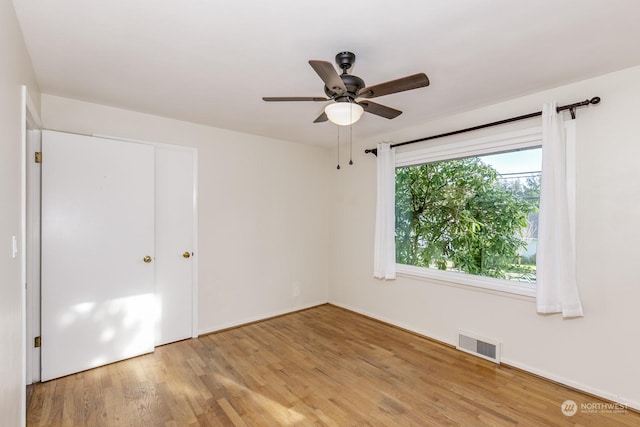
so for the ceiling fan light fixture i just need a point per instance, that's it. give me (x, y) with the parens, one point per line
(344, 113)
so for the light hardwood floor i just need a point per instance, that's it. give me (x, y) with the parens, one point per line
(323, 366)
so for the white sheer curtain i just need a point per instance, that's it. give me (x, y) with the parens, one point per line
(384, 258)
(557, 289)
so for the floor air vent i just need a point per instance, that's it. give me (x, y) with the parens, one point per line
(479, 346)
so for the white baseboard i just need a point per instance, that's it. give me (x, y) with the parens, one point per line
(559, 379)
(574, 384)
(264, 316)
(570, 383)
(394, 323)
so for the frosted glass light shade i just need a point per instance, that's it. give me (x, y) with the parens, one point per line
(344, 113)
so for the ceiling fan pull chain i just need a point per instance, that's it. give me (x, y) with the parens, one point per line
(350, 147)
(350, 133)
(338, 148)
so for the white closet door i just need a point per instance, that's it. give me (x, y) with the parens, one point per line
(175, 213)
(98, 302)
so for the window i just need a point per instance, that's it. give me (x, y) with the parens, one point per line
(476, 215)
(467, 212)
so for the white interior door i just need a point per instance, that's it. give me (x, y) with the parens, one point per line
(97, 227)
(175, 246)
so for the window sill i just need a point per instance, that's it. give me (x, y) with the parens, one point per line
(468, 281)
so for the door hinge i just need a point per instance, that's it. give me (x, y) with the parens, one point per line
(37, 342)
(38, 157)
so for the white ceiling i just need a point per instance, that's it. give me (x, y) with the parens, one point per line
(211, 61)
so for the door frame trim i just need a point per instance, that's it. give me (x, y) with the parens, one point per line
(30, 120)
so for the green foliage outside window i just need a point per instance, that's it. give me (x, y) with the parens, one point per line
(460, 215)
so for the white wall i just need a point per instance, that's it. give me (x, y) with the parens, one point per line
(15, 71)
(598, 353)
(263, 209)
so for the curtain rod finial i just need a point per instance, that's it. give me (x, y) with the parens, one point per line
(595, 100)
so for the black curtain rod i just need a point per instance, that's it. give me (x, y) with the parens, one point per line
(570, 107)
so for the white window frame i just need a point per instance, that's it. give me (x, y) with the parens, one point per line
(503, 142)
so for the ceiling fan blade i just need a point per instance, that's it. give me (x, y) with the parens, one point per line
(329, 76)
(321, 118)
(394, 86)
(294, 98)
(380, 110)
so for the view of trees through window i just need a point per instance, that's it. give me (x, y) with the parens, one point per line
(475, 215)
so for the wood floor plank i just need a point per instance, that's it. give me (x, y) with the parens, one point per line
(324, 366)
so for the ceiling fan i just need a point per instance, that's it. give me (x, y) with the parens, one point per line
(351, 95)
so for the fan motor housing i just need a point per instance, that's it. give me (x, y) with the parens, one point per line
(353, 84)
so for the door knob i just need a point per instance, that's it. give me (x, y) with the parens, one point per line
(147, 259)
(186, 255)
